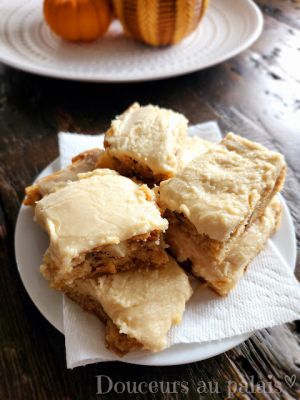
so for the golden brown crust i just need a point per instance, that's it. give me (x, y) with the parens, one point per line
(104, 161)
(87, 154)
(131, 168)
(118, 342)
(32, 195)
(142, 251)
(89, 160)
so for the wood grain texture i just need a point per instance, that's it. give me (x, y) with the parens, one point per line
(256, 94)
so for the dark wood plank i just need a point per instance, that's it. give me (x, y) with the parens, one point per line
(256, 94)
(284, 11)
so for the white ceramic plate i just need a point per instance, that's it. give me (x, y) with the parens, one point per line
(228, 28)
(31, 243)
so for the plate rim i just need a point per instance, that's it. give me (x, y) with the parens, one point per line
(70, 76)
(150, 360)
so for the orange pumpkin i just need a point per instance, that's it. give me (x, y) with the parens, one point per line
(78, 20)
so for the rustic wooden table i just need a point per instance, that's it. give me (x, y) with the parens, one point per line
(256, 94)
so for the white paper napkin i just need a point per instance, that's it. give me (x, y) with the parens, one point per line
(268, 294)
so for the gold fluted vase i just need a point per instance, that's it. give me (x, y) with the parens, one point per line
(159, 22)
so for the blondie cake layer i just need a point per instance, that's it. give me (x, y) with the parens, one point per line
(138, 306)
(223, 276)
(146, 142)
(101, 223)
(83, 162)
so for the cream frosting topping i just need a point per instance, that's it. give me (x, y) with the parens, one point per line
(100, 208)
(142, 303)
(194, 146)
(252, 150)
(149, 134)
(218, 190)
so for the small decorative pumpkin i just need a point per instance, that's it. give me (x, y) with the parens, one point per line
(78, 20)
(158, 22)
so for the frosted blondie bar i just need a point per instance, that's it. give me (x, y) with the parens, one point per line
(216, 196)
(146, 142)
(101, 223)
(138, 306)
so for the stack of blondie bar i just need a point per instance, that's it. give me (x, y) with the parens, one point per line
(127, 225)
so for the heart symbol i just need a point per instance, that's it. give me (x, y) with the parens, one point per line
(290, 380)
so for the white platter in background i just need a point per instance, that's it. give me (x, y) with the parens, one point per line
(27, 43)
